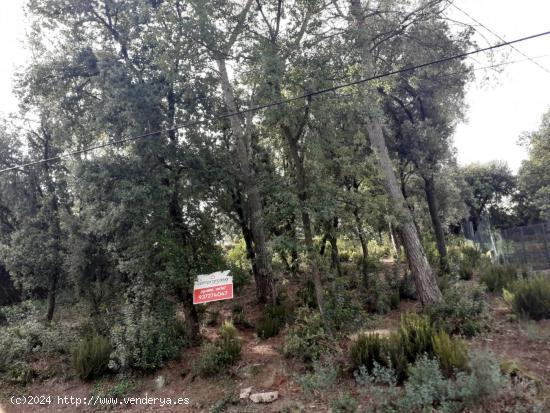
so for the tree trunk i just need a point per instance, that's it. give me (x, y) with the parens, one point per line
(301, 186)
(425, 282)
(51, 297)
(433, 206)
(191, 316)
(245, 229)
(265, 287)
(364, 245)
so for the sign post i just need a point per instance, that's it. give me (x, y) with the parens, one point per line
(213, 287)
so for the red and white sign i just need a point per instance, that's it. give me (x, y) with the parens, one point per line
(213, 287)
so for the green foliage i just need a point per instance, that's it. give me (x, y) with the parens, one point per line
(427, 388)
(307, 338)
(345, 403)
(366, 350)
(322, 378)
(499, 276)
(237, 256)
(91, 357)
(223, 352)
(531, 297)
(271, 322)
(146, 339)
(463, 310)
(119, 389)
(451, 352)
(341, 309)
(416, 334)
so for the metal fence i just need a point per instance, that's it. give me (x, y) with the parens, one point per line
(528, 245)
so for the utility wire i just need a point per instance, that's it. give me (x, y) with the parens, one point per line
(275, 103)
(497, 36)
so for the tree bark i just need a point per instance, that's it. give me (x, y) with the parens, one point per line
(265, 287)
(301, 186)
(364, 245)
(433, 206)
(425, 282)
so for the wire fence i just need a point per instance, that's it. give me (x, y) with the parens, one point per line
(527, 246)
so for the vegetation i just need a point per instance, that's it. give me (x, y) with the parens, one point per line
(159, 140)
(91, 357)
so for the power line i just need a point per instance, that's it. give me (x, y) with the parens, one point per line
(497, 36)
(275, 103)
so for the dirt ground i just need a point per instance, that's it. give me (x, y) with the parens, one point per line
(264, 368)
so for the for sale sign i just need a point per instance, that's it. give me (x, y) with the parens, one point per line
(213, 287)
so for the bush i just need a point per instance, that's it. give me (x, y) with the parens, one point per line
(91, 357)
(463, 310)
(223, 352)
(426, 386)
(451, 352)
(345, 403)
(322, 378)
(271, 322)
(340, 309)
(497, 277)
(307, 339)
(470, 260)
(366, 350)
(146, 339)
(416, 334)
(532, 297)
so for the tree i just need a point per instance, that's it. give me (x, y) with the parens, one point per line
(534, 176)
(489, 184)
(366, 43)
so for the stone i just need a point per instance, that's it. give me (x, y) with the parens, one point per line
(160, 382)
(266, 397)
(245, 393)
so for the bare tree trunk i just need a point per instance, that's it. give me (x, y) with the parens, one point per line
(334, 253)
(425, 282)
(364, 245)
(433, 206)
(301, 186)
(265, 286)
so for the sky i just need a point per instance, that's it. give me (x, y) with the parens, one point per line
(501, 108)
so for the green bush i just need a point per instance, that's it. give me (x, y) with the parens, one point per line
(451, 352)
(341, 310)
(91, 357)
(224, 351)
(306, 338)
(416, 334)
(146, 339)
(322, 378)
(463, 310)
(366, 350)
(497, 277)
(345, 403)
(532, 297)
(271, 322)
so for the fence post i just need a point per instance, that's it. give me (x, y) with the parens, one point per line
(547, 252)
(523, 245)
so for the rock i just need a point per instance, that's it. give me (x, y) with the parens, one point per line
(160, 382)
(266, 397)
(245, 393)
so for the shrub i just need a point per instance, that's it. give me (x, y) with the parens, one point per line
(532, 297)
(366, 350)
(340, 309)
(271, 322)
(416, 332)
(146, 338)
(470, 260)
(307, 339)
(345, 403)
(91, 357)
(322, 378)
(463, 310)
(223, 352)
(497, 277)
(451, 352)
(239, 319)
(425, 387)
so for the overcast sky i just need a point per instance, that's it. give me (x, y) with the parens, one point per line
(499, 110)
